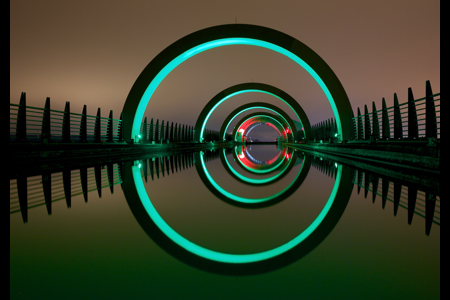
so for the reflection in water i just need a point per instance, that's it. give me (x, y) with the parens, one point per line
(237, 263)
(418, 198)
(284, 176)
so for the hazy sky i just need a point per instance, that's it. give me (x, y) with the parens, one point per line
(91, 52)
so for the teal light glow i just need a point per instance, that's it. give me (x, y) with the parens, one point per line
(228, 257)
(219, 43)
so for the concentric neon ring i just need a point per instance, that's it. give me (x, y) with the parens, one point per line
(234, 34)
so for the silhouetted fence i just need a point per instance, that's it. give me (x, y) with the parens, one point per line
(411, 120)
(35, 124)
(325, 130)
(414, 119)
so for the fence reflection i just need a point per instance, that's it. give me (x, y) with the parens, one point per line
(28, 192)
(418, 199)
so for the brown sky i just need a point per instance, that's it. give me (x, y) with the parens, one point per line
(91, 52)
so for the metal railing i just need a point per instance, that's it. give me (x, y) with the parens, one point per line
(45, 125)
(326, 130)
(414, 119)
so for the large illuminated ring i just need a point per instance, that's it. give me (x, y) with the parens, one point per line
(234, 34)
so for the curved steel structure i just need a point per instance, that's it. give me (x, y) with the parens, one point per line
(234, 34)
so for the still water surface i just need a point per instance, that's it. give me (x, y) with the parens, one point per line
(253, 223)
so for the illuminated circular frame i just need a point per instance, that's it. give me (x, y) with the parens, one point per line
(250, 87)
(234, 34)
(258, 105)
(278, 161)
(231, 198)
(227, 263)
(278, 124)
(284, 166)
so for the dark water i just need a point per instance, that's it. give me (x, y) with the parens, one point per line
(263, 223)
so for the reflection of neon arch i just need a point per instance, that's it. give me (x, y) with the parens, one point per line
(246, 124)
(234, 199)
(227, 263)
(279, 162)
(248, 163)
(234, 34)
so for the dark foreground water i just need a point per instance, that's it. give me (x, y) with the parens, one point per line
(255, 223)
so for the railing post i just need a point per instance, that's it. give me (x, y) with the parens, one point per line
(150, 133)
(167, 132)
(110, 127)
(161, 135)
(175, 133)
(412, 198)
(375, 123)
(157, 131)
(144, 130)
(430, 113)
(398, 130)
(171, 134)
(83, 126)
(66, 124)
(97, 129)
(386, 134)
(360, 125)
(47, 187)
(366, 123)
(412, 117)
(120, 129)
(22, 190)
(67, 184)
(21, 127)
(45, 130)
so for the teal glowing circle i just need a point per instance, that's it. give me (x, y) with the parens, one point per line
(139, 114)
(228, 257)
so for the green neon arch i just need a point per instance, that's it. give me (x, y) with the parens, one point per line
(259, 105)
(234, 34)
